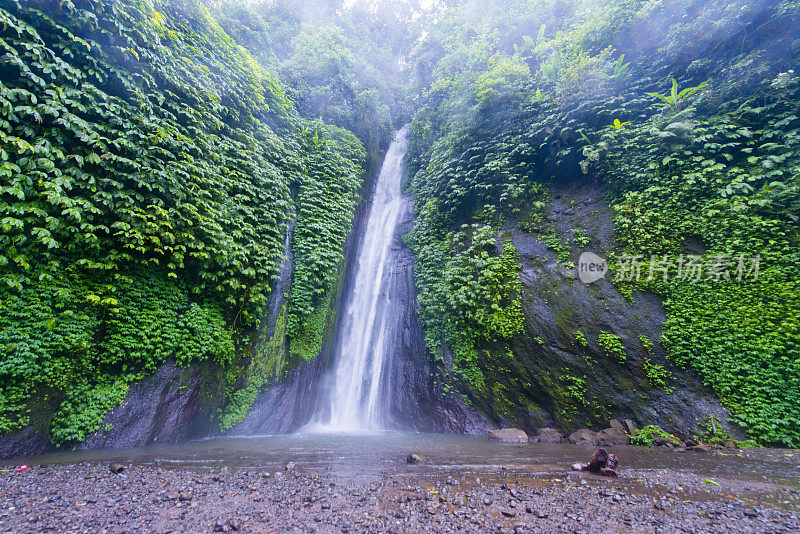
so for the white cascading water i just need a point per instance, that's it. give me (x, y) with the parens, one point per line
(354, 396)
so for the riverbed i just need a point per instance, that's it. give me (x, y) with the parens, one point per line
(362, 483)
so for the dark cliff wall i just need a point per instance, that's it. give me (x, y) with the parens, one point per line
(559, 374)
(417, 401)
(172, 405)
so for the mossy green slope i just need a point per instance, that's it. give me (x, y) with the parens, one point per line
(524, 97)
(149, 168)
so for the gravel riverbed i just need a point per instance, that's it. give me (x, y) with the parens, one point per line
(88, 497)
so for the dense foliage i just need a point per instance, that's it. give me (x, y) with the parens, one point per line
(149, 169)
(728, 175)
(156, 167)
(340, 64)
(326, 198)
(469, 295)
(687, 112)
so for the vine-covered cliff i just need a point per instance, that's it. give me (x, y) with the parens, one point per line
(646, 132)
(184, 182)
(150, 169)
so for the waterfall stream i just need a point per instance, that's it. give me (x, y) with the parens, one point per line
(355, 397)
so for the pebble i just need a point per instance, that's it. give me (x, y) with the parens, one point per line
(85, 497)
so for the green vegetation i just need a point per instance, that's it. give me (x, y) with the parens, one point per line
(657, 375)
(471, 296)
(149, 167)
(581, 339)
(714, 434)
(325, 203)
(647, 435)
(340, 64)
(674, 98)
(612, 346)
(647, 344)
(517, 97)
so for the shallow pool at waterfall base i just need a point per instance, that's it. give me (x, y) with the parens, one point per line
(368, 454)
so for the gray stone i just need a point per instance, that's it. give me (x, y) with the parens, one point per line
(417, 458)
(612, 436)
(616, 425)
(584, 436)
(508, 435)
(549, 435)
(630, 428)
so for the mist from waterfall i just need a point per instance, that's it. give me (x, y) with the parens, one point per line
(355, 397)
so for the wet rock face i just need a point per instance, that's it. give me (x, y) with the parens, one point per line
(164, 408)
(286, 405)
(28, 441)
(561, 376)
(508, 435)
(415, 399)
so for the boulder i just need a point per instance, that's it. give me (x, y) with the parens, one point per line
(616, 425)
(508, 435)
(612, 436)
(702, 447)
(630, 428)
(549, 435)
(660, 441)
(584, 436)
(116, 468)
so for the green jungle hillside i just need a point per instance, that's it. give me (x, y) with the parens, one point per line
(161, 161)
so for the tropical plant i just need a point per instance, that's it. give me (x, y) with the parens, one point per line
(675, 98)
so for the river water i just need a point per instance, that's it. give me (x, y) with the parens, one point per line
(370, 454)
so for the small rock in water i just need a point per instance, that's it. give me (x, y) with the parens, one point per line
(289, 466)
(417, 458)
(508, 435)
(116, 468)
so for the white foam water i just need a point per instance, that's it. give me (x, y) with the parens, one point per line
(356, 395)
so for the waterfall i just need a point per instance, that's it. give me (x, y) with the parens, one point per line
(355, 396)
